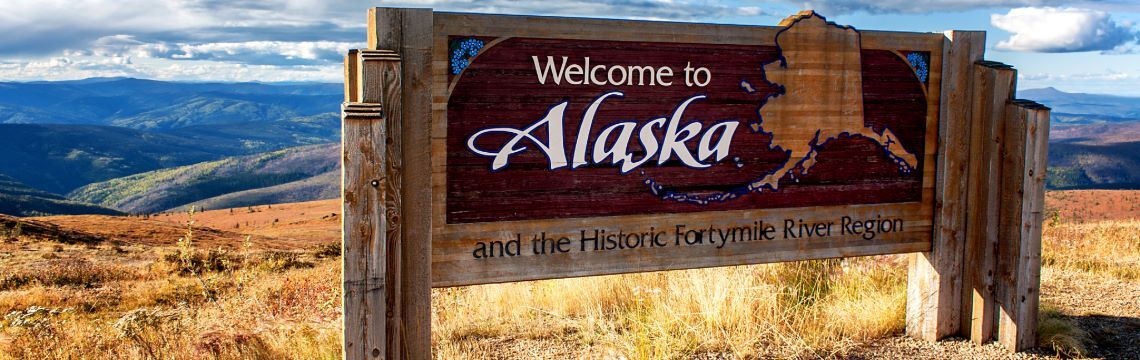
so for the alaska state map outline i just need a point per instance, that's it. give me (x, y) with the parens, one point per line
(819, 76)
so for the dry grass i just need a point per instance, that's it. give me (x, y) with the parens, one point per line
(246, 301)
(805, 309)
(1109, 247)
(290, 315)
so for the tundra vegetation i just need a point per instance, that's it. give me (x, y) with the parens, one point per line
(232, 289)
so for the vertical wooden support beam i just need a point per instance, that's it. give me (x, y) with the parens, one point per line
(993, 89)
(1024, 156)
(370, 188)
(407, 32)
(934, 289)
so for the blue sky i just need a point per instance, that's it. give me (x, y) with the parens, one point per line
(1078, 46)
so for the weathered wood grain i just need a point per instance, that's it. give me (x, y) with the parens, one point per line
(934, 285)
(409, 33)
(993, 89)
(1024, 157)
(365, 242)
(351, 76)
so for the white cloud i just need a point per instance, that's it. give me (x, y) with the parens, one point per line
(1105, 82)
(1050, 29)
(259, 39)
(248, 52)
(916, 6)
(831, 7)
(67, 68)
(1106, 76)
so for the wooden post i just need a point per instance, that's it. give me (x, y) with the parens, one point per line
(387, 244)
(1024, 156)
(993, 89)
(934, 289)
(367, 240)
(387, 226)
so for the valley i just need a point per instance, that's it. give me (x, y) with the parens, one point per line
(120, 145)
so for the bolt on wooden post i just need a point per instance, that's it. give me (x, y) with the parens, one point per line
(488, 148)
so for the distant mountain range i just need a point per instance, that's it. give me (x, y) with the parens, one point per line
(157, 105)
(1094, 141)
(60, 136)
(120, 145)
(1083, 109)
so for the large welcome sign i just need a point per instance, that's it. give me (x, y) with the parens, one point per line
(614, 153)
(488, 148)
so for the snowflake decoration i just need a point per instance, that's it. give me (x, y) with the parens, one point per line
(462, 50)
(920, 63)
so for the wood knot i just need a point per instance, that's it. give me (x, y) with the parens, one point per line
(375, 352)
(375, 183)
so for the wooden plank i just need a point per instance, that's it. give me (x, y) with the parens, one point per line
(453, 264)
(934, 289)
(364, 237)
(993, 87)
(351, 76)
(409, 33)
(1024, 157)
(1029, 268)
(655, 31)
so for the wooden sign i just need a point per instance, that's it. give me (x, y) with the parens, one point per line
(617, 152)
(490, 148)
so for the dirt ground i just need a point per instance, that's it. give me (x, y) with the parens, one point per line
(282, 227)
(1092, 205)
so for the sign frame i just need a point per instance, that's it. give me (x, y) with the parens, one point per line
(398, 243)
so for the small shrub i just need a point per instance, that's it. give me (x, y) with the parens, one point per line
(278, 261)
(64, 272)
(201, 262)
(173, 293)
(144, 328)
(1057, 332)
(233, 345)
(14, 281)
(32, 317)
(36, 333)
(330, 250)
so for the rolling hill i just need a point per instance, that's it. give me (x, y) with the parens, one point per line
(158, 105)
(18, 199)
(1095, 156)
(59, 158)
(278, 171)
(321, 187)
(1094, 140)
(58, 136)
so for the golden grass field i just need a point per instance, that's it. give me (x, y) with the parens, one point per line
(140, 293)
